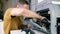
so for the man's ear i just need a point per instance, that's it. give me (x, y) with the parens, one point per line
(17, 6)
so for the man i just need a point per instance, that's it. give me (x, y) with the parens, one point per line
(13, 17)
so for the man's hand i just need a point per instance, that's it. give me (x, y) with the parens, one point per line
(46, 22)
(44, 19)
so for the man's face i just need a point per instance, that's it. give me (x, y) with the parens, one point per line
(26, 6)
(23, 6)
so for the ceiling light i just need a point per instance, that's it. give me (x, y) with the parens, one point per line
(55, 2)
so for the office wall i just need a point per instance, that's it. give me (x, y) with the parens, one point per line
(9, 4)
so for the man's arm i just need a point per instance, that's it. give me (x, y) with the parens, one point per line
(25, 12)
(29, 13)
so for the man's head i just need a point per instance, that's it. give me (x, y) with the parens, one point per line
(23, 4)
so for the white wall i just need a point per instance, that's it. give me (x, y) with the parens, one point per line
(33, 4)
(57, 10)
